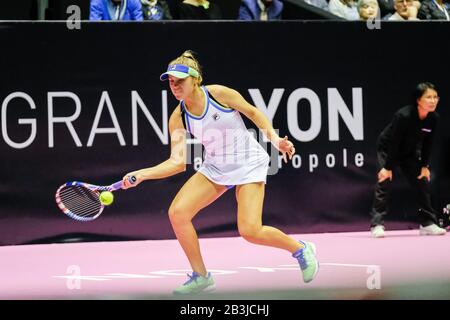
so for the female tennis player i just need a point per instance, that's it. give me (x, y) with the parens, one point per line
(212, 114)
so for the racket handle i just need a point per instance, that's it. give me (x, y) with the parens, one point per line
(118, 185)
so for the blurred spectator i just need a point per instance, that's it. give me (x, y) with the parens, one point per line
(322, 4)
(262, 10)
(405, 10)
(199, 10)
(156, 10)
(344, 8)
(115, 10)
(368, 9)
(434, 10)
(386, 8)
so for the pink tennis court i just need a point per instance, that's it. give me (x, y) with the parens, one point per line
(353, 265)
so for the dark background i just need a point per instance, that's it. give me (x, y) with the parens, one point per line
(38, 58)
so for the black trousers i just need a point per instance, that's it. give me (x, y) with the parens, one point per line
(421, 192)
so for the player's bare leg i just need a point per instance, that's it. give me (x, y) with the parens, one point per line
(250, 199)
(197, 193)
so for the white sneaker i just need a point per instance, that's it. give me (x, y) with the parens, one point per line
(432, 230)
(196, 284)
(307, 260)
(377, 231)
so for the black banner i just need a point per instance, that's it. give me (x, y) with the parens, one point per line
(86, 104)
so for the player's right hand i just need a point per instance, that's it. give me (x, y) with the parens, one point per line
(126, 180)
(384, 174)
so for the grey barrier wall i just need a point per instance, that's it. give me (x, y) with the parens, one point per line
(86, 104)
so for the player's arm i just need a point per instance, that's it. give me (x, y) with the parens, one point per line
(233, 99)
(177, 160)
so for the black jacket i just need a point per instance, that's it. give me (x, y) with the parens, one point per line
(408, 137)
(430, 11)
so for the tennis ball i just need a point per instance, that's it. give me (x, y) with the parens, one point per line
(106, 198)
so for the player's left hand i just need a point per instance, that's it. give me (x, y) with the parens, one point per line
(424, 173)
(286, 148)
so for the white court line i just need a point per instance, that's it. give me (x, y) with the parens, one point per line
(337, 265)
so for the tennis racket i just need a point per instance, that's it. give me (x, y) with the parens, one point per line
(81, 201)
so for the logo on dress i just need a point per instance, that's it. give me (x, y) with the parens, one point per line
(216, 116)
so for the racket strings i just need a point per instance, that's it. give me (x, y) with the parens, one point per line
(82, 210)
(80, 201)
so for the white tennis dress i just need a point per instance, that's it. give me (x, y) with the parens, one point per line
(232, 154)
